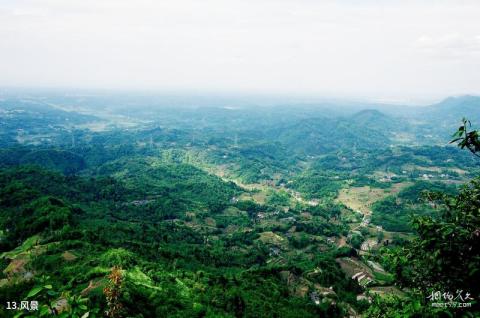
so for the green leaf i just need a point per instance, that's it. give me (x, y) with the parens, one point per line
(44, 311)
(417, 305)
(34, 291)
(48, 286)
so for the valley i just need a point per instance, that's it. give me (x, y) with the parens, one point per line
(215, 211)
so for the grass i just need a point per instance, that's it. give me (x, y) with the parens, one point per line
(27, 245)
(383, 278)
(360, 198)
(271, 238)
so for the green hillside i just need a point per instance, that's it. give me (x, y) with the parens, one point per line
(237, 210)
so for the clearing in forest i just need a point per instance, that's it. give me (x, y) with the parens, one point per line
(360, 199)
(271, 238)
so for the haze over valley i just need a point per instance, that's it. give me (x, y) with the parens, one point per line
(168, 187)
(239, 158)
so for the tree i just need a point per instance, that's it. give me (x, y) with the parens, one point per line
(467, 139)
(445, 256)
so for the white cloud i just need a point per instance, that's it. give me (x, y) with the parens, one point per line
(450, 45)
(393, 49)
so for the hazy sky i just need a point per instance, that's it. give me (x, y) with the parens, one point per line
(391, 50)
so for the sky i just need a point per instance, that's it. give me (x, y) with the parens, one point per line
(385, 50)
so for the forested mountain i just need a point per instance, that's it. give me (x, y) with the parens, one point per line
(230, 207)
(456, 107)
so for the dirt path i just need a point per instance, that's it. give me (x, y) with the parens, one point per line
(342, 241)
(368, 244)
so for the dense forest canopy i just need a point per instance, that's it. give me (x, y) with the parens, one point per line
(161, 206)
